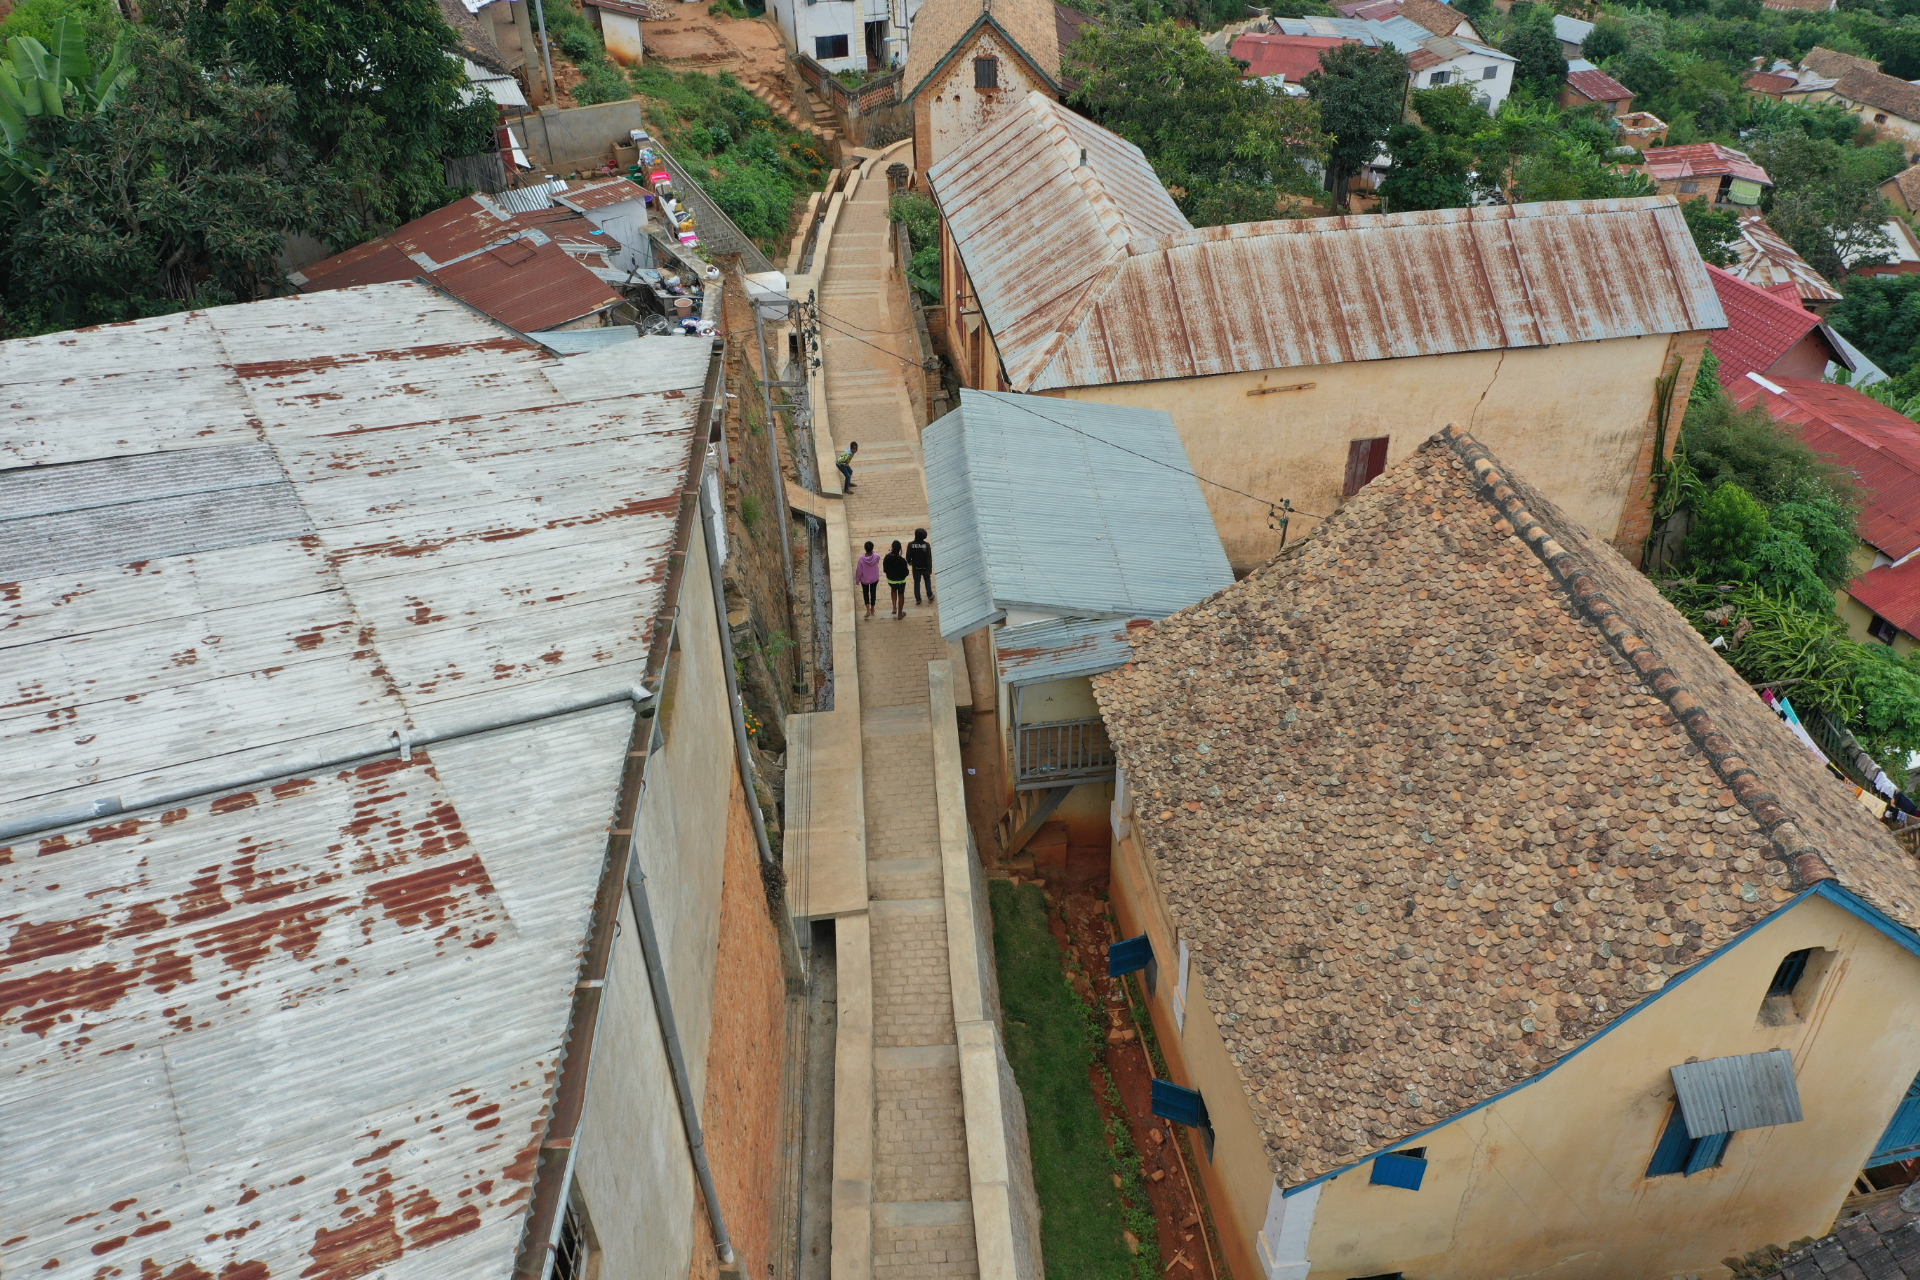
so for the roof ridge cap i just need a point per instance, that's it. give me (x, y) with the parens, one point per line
(1807, 861)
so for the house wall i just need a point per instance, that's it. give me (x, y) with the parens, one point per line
(632, 1166)
(1550, 1180)
(1471, 69)
(1887, 125)
(1575, 420)
(1858, 618)
(621, 32)
(802, 23)
(948, 110)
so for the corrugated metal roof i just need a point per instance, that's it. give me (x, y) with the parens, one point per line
(1075, 296)
(1064, 647)
(1893, 592)
(1065, 507)
(1765, 260)
(573, 342)
(1703, 160)
(1760, 327)
(1880, 446)
(599, 196)
(1749, 1091)
(527, 286)
(1599, 86)
(1571, 30)
(531, 198)
(202, 1005)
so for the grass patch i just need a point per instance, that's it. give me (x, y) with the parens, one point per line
(573, 35)
(1052, 1043)
(754, 166)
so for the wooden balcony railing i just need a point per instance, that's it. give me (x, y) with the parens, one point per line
(1061, 754)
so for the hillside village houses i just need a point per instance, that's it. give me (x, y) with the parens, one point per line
(1303, 357)
(1530, 949)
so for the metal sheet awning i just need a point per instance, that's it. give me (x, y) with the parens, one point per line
(1061, 648)
(1750, 1091)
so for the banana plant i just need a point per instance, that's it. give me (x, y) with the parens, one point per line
(36, 81)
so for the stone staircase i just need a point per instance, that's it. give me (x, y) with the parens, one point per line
(815, 119)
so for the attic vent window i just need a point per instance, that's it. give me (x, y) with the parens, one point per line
(1083, 157)
(1796, 982)
(986, 73)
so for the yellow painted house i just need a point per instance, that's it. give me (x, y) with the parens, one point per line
(1299, 357)
(1496, 928)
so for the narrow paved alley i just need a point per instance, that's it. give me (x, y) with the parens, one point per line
(922, 1215)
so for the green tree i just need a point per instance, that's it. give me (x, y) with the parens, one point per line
(179, 195)
(1362, 94)
(1430, 171)
(1714, 230)
(1824, 200)
(1608, 37)
(377, 95)
(1728, 528)
(1226, 148)
(1881, 316)
(1541, 63)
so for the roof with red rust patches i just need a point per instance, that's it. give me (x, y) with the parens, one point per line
(1893, 592)
(1598, 86)
(1761, 327)
(526, 286)
(1879, 446)
(1129, 297)
(1703, 160)
(601, 195)
(1295, 57)
(310, 1027)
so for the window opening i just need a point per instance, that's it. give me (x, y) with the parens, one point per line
(1406, 1168)
(1365, 460)
(574, 1252)
(1788, 975)
(1439, 77)
(986, 73)
(1882, 630)
(1677, 1153)
(1489, 73)
(829, 47)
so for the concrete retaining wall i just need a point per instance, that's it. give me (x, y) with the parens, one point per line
(577, 137)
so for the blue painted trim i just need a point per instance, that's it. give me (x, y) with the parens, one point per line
(1851, 902)
(1412, 1139)
(1395, 1170)
(1831, 890)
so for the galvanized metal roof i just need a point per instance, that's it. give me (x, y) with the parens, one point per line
(1748, 1091)
(310, 1028)
(1064, 647)
(1076, 296)
(601, 195)
(573, 342)
(1062, 507)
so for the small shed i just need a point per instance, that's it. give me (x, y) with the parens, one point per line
(1055, 525)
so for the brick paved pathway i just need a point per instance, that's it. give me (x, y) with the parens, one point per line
(922, 1215)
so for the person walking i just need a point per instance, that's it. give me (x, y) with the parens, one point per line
(867, 574)
(845, 463)
(920, 556)
(895, 566)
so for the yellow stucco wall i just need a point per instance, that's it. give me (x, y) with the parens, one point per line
(1550, 1180)
(1858, 618)
(1571, 420)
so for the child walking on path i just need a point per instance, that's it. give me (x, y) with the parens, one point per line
(895, 565)
(867, 574)
(920, 556)
(845, 463)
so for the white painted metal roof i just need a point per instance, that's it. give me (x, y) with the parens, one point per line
(296, 1027)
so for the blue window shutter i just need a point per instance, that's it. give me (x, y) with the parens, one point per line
(1675, 1146)
(1707, 1152)
(1395, 1170)
(1182, 1106)
(1902, 1137)
(1128, 955)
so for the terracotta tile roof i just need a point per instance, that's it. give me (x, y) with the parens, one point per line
(1768, 83)
(1882, 1242)
(1419, 796)
(1292, 56)
(941, 26)
(1879, 446)
(1833, 64)
(1907, 183)
(1703, 160)
(1599, 86)
(1893, 592)
(1760, 327)
(1441, 19)
(1762, 258)
(1886, 93)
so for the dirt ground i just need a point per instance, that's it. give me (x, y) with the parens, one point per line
(1187, 1243)
(695, 40)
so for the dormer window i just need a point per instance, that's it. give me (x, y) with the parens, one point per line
(986, 73)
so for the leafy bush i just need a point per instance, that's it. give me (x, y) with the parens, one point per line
(1760, 454)
(574, 36)
(1881, 316)
(921, 217)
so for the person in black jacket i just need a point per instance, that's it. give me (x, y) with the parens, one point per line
(920, 556)
(894, 568)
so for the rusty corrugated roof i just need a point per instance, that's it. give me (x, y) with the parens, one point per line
(309, 1028)
(1703, 160)
(1763, 259)
(527, 286)
(600, 195)
(1077, 292)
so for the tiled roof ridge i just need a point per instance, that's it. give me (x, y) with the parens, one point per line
(1808, 862)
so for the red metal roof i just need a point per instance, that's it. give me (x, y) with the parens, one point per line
(1769, 83)
(1760, 327)
(1295, 57)
(619, 191)
(1599, 86)
(1879, 446)
(1703, 160)
(1893, 592)
(526, 287)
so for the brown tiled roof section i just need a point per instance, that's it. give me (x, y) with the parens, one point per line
(942, 24)
(1882, 1241)
(1443, 791)
(1833, 64)
(1441, 19)
(1886, 93)
(1907, 183)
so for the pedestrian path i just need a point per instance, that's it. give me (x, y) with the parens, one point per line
(921, 1210)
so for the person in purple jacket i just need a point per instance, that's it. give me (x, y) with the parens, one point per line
(867, 574)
